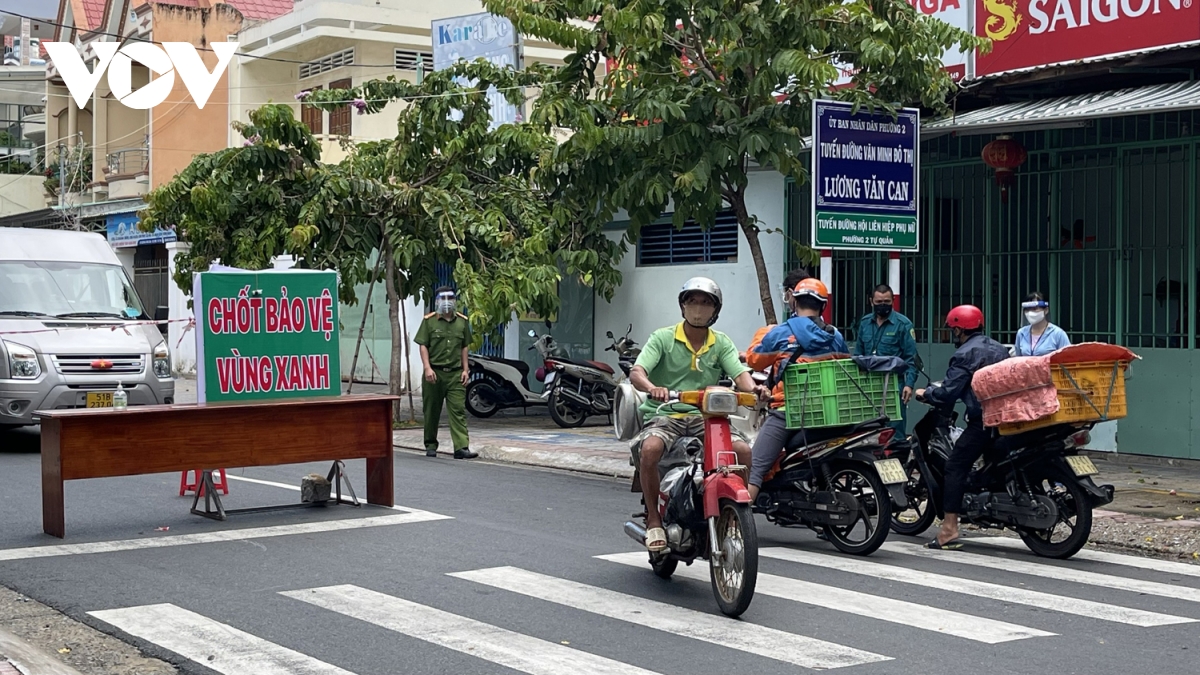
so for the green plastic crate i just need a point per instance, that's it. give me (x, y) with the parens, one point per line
(836, 393)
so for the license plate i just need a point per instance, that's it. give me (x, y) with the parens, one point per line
(99, 399)
(1082, 466)
(891, 471)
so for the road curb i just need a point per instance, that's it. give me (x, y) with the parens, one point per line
(29, 660)
(553, 459)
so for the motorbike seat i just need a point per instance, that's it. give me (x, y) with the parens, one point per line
(811, 436)
(521, 366)
(598, 365)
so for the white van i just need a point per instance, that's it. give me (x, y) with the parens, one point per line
(67, 336)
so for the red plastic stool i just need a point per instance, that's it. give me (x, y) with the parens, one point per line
(219, 482)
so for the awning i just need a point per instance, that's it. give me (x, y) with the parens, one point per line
(1068, 111)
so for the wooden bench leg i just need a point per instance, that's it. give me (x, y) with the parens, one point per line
(380, 483)
(53, 507)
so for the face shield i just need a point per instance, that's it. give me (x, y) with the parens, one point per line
(444, 303)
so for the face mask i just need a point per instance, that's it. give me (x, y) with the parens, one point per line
(1034, 317)
(882, 310)
(698, 316)
(444, 306)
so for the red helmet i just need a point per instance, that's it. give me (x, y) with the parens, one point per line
(967, 317)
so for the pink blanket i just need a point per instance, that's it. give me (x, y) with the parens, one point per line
(1017, 389)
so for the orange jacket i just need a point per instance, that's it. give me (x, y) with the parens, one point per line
(764, 363)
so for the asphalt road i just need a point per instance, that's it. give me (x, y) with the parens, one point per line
(493, 569)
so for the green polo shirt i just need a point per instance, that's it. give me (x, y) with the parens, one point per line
(670, 361)
(445, 339)
(895, 337)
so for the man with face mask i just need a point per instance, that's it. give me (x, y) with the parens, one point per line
(445, 337)
(885, 332)
(975, 351)
(689, 356)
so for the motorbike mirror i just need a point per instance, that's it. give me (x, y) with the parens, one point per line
(532, 334)
(547, 324)
(609, 334)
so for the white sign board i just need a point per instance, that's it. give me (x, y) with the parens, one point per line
(476, 36)
(957, 13)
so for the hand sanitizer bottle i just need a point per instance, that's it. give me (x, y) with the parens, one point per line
(120, 398)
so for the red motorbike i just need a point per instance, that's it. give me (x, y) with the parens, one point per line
(704, 503)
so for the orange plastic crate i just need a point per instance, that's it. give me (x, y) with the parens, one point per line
(1087, 392)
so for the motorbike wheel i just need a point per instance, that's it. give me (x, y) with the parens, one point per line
(915, 519)
(663, 565)
(563, 413)
(1074, 511)
(737, 539)
(481, 399)
(875, 510)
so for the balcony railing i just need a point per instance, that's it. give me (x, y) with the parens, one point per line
(128, 162)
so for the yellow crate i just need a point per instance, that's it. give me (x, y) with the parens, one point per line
(1087, 392)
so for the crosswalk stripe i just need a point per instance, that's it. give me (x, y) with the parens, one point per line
(982, 589)
(863, 604)
(1048, 571)
(212, 644)
(29, 552)
(775, 644)
(1154, 564)
(475, 638)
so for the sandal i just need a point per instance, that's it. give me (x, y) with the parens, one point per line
(952, 545)
(656, 539)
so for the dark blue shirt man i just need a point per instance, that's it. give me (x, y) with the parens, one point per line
(885, 332)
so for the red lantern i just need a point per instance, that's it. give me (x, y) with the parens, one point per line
(1004, 155)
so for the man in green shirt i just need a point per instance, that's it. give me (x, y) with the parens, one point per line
(689, 356)
(885, 332)
(445, 337)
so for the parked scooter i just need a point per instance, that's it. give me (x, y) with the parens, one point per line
(575, 389)
(627, 350)
(498, 383)
(1035, 483)
(705, 505)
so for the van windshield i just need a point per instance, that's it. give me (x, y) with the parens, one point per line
(66, 290)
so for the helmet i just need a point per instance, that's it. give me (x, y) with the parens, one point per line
(703, 285)
(709, 288)
(967, 317)
(813, 288)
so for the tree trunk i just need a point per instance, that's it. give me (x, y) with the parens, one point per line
(395, 373)
(738, 202)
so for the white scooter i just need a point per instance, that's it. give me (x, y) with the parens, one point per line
(498, 383)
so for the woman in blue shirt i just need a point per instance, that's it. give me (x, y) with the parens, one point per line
(1040, 337)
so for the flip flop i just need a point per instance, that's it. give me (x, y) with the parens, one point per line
(656, 539)
(952, 545)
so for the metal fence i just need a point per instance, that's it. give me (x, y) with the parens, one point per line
(1101, 220)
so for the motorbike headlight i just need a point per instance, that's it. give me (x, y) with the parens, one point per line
(162, 361)
(720, 402)
(22, 362)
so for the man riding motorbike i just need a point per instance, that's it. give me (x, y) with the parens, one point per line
(975, 351)
(805, 332)
(688, 356)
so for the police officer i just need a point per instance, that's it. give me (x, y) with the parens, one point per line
(885, 332)
(445, 337)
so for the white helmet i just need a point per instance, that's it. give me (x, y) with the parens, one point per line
(706, 286)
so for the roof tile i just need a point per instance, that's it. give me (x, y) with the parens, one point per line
(262, 9)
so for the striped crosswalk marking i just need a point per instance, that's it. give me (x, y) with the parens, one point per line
(863, 604)
(1154, 564)
(492, 643)
(775, 644)
(1049, 571)
(982, 589)
(213, 644)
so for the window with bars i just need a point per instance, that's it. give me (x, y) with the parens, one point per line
(339, 119)
(660, 243)
(327, 63)
(407, 59)
(312, 116)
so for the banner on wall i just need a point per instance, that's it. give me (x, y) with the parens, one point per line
(480, 36)
(1033, 33)
(266, 335)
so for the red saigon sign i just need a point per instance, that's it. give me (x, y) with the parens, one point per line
(1029, 33)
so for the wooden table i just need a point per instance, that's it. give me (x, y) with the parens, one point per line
(103, 442)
